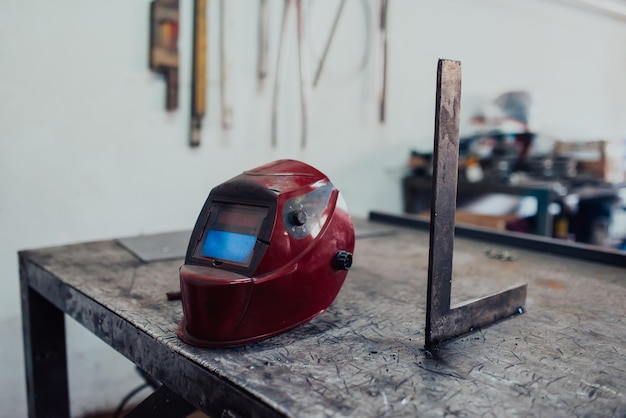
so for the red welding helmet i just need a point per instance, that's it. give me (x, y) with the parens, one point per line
(270, 251)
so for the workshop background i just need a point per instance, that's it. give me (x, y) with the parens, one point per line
(89, 152)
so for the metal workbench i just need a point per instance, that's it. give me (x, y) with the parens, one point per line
(364, 356)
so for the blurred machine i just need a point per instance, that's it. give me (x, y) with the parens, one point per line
(573, 192)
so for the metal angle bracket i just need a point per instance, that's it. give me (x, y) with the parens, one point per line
(444, 322)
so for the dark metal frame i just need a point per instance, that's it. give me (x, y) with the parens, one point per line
(163, 403)
(554, 246)
(442, 321)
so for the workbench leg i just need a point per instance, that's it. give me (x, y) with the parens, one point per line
(162, 403)
(44, 354)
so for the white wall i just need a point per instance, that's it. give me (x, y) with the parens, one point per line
(87, 151)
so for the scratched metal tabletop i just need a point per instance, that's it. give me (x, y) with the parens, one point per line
(364, 356)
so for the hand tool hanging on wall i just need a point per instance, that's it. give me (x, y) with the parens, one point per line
(226, 28)
(199, 75)
(366, 36)
(444, 322)
(164, 46)
(302, 72)
(329, 41)
(264, 43)
(382, 99)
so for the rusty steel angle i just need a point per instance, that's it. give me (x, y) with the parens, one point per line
(444, 322)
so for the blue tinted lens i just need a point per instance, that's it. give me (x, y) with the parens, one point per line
(228, 246)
